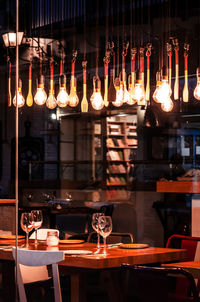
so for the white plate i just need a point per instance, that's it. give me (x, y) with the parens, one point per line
(77, 252)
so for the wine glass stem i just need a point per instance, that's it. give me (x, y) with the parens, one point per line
(36, 241)
(98, 241)
(104, 245)
(26, 239)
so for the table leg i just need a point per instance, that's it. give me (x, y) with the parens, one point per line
(112, 285)
(78, 287)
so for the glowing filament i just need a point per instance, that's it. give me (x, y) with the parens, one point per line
(51, 101)
(62, 97)
(19, 101)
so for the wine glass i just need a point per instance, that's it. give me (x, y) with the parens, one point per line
(95, 225)
(26, 225)
(37, 220)
(105, 228)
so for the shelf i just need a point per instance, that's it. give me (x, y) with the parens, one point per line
(119, 143)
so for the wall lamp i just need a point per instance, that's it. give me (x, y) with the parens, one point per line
(9, 39)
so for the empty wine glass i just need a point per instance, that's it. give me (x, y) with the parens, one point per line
(95, 225)
(105, 228)
(26, 225)
(37, 220)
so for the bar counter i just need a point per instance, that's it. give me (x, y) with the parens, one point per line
(178, 186)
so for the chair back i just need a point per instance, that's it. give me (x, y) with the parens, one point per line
(114, 237)
(191, 244)
(153, 284)
(33, 258)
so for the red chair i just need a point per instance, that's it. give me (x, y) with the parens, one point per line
(184, 242)
(152, 284)
(190, 244)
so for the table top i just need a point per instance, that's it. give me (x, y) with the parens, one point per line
(115, 258)
(192, 266)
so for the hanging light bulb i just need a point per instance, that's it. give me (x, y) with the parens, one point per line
(121, 88)
(164, 91)
(73, 97)
(158, 84)
(119, 93)
(126, 95)
(197, 88)
(130, 101)
(51, 101)
(138, 92)
(62, 97)
(19, 101)
(165, 88)
(96, 99)
(40, 96)
(167, 105)
(92, 96)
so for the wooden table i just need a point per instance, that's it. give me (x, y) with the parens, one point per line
(76, 266)
(192, 266)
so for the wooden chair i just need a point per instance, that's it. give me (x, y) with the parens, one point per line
(153, 284)
(32, 258)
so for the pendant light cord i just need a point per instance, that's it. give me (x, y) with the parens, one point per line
(97, 36)
(118, 38)
(84, 21)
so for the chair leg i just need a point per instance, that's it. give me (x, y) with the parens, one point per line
(56, 283)
(22, 293)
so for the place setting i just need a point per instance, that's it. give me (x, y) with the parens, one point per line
(30, 221)
(133, 245)
(102, 225)
(7, 240)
